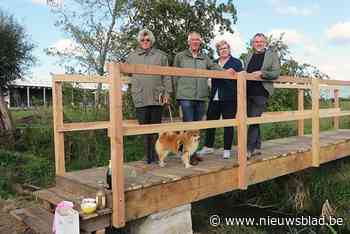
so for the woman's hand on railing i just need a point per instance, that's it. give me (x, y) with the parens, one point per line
(231, 71)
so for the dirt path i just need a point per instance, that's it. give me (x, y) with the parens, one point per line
(8, 224)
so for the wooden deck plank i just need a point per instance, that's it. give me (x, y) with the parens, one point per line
(137, 177)
(148, 175)
(145, 180)
(176, 172)
(149, 188)
(38, 219)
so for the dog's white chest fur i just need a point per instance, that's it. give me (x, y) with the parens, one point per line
(193, 147)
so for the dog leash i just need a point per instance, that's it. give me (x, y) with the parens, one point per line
(162, 102)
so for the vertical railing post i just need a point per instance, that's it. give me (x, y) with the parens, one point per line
(301, 109)
(116, 140)
(57, 108)
(242, 130)
(315, 122)
(336, 105)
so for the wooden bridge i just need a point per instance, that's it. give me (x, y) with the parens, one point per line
(140, 189)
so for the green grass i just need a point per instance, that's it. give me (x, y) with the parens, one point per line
(17, 115)
(33, 161)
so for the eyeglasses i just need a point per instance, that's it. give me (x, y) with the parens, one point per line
(259, 41)
(147, 39)
(223, 48)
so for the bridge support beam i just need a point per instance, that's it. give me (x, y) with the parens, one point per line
(172, 221)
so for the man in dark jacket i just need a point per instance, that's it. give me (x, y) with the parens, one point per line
(264, 63)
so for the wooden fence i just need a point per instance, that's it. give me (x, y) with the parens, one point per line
(118, 128)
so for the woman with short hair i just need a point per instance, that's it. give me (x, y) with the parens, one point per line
(149, 92)
(223, 100)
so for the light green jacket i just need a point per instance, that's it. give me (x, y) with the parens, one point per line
(270, 68)
(189, 88)
(145, 89)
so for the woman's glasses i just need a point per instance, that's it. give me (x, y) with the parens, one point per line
(223, 48)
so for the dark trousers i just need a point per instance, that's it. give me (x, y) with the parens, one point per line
(192, 110)
(226, 109)
(149, 115)
(256, 105)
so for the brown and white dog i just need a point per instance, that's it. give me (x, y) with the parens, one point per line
(182, 142)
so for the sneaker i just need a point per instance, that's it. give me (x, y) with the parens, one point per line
(205, 150)
(256, 152)
(249, 154)
(227, 154)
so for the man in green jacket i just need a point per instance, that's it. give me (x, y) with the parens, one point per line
(148, 90)
(192, 93)
(264, 63)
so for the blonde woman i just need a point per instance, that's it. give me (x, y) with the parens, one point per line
(222, 101)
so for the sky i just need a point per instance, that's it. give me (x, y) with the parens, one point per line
(317, 32)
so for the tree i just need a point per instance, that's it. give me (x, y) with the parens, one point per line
(172, 20)
(105, 30)
(15, 60)
(92, 26)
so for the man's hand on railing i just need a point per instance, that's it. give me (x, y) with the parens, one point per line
(257, 74)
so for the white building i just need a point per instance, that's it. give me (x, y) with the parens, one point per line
(26, 93)
(29, 93)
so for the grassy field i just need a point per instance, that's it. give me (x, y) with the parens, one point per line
(41, 118)
(32, 161)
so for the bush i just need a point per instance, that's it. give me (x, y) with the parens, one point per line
(23, 167)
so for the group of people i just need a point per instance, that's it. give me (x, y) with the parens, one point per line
(149, 94)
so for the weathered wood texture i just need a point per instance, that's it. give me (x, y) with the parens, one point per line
(149, 188)
(38, 219)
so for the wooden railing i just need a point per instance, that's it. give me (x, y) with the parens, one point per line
(118, 128)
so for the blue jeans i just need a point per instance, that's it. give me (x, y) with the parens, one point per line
(192, 110)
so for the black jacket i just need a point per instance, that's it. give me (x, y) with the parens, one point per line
(227, 88)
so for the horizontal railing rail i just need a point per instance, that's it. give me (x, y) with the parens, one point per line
(119, 74)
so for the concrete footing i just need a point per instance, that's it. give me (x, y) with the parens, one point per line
(173, 221)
